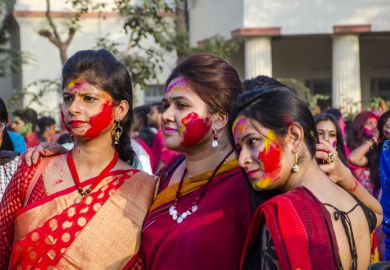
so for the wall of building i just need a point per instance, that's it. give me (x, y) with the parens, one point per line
(211, 17)
(315, 16)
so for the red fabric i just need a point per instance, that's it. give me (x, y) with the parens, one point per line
(211, 238)
(32, 140)
(13, 200)
(160, 151)
(301, 231)
(59, 231)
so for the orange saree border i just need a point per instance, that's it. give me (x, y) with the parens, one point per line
(189, 184)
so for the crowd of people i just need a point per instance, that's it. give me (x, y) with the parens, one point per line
(221, 174)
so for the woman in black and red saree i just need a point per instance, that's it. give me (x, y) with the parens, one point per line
(314, 224)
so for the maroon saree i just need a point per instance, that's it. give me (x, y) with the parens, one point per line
(211, 238)
(301, 231)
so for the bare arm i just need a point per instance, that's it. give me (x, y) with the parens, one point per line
(358, 156)
(342, 175)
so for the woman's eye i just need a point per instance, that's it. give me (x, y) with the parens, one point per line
(89, 99)
(333, 135)
(181, 106)
(252, 142)
(67, 99)
(165, 106)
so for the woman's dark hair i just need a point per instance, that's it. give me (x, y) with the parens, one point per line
(101, 69)
(212, 79)
(356, 133)
(381, 123)
(6, 144)
(374, 154)
(324, 116)
(276, 106)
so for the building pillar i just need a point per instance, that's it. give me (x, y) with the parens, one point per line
(258, 49)
(258, 57)
(346, 86)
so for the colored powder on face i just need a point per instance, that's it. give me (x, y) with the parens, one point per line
(239, 126)
(195, 128)
(175, 83)
(63, 122)
(270, 158)
(100, 121)
(75, 84)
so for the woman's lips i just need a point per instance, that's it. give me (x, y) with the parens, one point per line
(168, 130)
(252, 172)
(75, 123)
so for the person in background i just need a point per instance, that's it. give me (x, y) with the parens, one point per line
(24, 123)
(46, 129)
(9, 161)
(160, 153)
(363, 138)
(343, 126)
(9, 140)
(140, 128)
(328, 129)
(385, 198)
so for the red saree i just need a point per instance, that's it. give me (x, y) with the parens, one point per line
(99, 231)
(301, 230)
(212, 237)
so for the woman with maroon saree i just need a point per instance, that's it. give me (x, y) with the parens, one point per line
(202, 211)
(315, 224)
(83, 209)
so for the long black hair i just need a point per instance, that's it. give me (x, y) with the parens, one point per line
(324, 116)
(101, 69)
(6, 143)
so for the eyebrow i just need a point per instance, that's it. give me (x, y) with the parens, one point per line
(174, 98)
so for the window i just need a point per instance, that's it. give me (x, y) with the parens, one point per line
(380, 88)
(321, 87)
(154, 93)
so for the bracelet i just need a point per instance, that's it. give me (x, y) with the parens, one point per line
(353, 189)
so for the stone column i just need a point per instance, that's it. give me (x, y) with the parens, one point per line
(258, 57)
(346, 89)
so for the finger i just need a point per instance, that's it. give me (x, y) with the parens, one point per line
(326, 145)
(27, 156)
(326, 168)
(321, 155)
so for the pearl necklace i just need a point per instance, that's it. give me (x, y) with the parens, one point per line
(179, 218)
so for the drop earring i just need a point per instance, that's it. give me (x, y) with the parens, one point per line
(215, 143)
(117, 132)
(295, 168)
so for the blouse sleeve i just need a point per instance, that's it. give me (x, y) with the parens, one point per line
(385, 199)
(12, 200)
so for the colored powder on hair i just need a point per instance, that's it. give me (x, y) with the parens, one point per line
(239, 125)
(176, 83)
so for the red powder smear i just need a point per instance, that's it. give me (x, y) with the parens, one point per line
(287, 119)
(270, 158)
(63, 122)
(195, 129)
(59, 181)
(100, 121)
(176, 83)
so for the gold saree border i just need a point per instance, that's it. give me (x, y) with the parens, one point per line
(113, 235)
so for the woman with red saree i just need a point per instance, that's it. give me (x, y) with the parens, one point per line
(202, 211)
(83, 209)
(315, 223)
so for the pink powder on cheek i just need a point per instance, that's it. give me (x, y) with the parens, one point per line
(177, 82)
(100, 121)
(195, 129)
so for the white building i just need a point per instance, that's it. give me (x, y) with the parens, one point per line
(45, 61)
(339, 48)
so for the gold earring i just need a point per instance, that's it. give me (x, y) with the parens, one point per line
(117, 132)
(296, 167)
